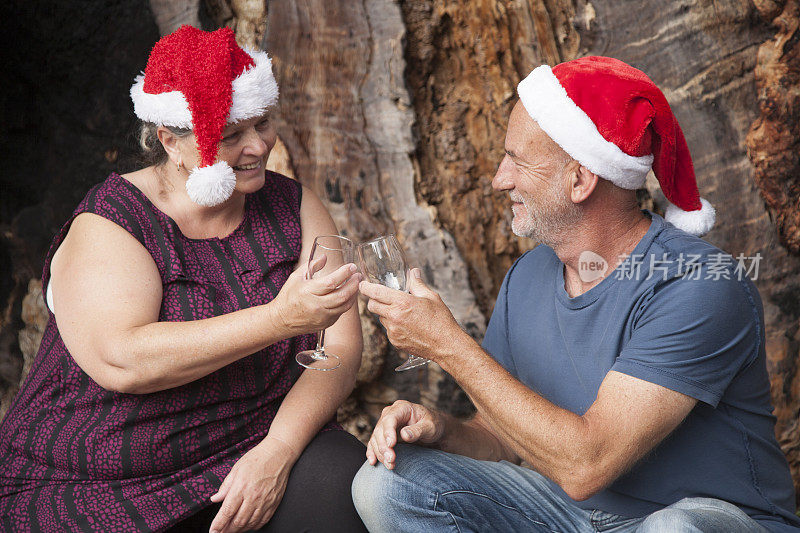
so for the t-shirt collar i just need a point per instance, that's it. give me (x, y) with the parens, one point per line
(590, 296)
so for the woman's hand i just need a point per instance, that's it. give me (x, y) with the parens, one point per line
(310, 305)
(254, 487)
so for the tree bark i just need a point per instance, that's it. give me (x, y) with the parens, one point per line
(346, 118)
(172, 14)
(773, 145)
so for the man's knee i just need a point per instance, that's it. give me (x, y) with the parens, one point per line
(379, 493)
(673, 520)
(382, 496)
(695, 515)
(368, 488)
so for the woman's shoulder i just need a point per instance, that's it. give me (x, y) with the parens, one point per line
(109, 209)
(117, 199)
(281, 182)
(107, 194)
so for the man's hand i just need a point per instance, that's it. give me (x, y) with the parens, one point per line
(253, 488)
(414, 422)
(415, 322)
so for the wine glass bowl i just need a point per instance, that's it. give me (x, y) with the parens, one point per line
(338, 251)
(382, 261)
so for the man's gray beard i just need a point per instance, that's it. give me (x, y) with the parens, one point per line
(547, 223)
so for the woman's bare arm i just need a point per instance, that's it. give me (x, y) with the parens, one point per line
(107, 294)
(317, 395)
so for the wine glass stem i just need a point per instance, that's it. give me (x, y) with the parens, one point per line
(321, 343)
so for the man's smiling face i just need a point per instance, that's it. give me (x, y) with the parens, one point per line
(534, 171)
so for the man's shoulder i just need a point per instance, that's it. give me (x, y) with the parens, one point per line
(529, 271)
(673, 242)
(539, 260)
(699, 279)
(677, 254)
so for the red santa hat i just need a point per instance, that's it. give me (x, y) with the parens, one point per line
(204, 81)
(613, 119)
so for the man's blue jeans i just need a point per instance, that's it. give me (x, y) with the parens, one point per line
(430, 490)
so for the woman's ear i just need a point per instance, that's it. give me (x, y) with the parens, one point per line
(170, 143)
(582, 184)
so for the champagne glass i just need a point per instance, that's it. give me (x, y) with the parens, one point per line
(338, 251)
(382, 261)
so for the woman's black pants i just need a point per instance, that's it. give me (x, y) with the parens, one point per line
(317, 496)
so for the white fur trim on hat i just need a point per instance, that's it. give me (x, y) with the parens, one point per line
(168, 109)
(211, 185)
(548, 103)
(695, 222)
(254, 91)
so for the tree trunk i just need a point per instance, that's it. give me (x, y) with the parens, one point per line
(394, 112)
(774, 147)
(172, 14)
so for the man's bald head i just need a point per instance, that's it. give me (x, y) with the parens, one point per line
(527, 137)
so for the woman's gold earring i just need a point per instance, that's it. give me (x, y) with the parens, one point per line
(179, 164)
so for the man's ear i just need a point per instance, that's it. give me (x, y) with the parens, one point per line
(582, 183)
(170, 143)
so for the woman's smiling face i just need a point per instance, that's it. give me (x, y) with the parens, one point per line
(245, 146)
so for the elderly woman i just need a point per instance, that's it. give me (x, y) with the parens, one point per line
(165, 395)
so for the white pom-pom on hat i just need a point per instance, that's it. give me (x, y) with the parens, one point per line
(697, 222)
(212, 184)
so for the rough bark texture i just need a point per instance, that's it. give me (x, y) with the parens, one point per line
(774, 139)
(172, 14)
(248, 18)
(774, 145)
(346, 118)
(34, 317)
(394, 112)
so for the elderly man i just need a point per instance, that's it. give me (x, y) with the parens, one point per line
(624, 361)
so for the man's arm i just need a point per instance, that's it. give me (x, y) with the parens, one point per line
(583, 454)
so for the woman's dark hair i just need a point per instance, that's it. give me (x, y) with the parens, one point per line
(153, 153)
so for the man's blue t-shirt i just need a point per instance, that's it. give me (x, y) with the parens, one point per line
(678, 313)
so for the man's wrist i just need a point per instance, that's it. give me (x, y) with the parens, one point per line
(456, 352)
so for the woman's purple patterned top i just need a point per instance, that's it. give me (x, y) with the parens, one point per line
(78, 457)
